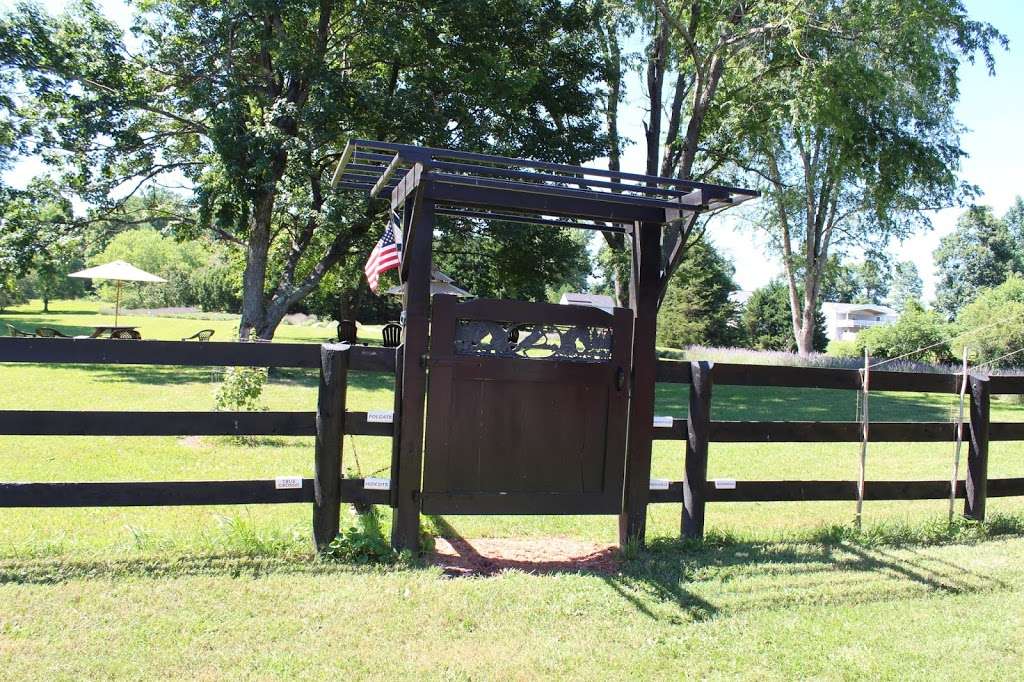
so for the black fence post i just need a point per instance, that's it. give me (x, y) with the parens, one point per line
(698, 426)
(977, 453)
(330, 431)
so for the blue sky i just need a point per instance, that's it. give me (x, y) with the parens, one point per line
(990, 108)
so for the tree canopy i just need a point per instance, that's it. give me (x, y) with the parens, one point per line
(251, 103)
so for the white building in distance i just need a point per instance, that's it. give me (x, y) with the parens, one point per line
(844, 320)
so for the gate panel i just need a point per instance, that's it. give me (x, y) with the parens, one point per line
(527, 407)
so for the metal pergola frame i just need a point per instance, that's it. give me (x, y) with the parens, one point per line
(424, 182)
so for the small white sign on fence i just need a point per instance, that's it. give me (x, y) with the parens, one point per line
(662, 422)
(725, 484)
(287, 482)
(371, 483)
(380, 417)
(659, 484)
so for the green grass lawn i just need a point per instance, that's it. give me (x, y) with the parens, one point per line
(214, 592)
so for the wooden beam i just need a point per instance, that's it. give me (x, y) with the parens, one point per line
(696, 464)
(977, 451)
(330, 435)
(405, 527)
(382, 181)
(644, 284)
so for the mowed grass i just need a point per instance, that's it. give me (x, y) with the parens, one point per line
(235, 592)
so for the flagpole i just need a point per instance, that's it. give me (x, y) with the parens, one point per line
(117, 302)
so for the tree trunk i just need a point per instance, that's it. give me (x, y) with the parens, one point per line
(254, 312)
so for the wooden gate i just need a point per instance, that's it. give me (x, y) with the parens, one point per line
(526, 408)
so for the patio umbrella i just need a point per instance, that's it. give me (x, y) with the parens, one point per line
(118, 271)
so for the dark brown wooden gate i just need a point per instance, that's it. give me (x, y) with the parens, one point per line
(527, 408)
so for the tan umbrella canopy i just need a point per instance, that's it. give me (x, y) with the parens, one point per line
(440, 283)
(118, 271)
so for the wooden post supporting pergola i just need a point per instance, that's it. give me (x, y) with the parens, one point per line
(425, 183)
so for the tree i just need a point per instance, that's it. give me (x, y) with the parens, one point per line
(978, 254)
(38, 236)
(697, 309)
(849, 121)
(691, 49)
(252, 103)
(907, 286)
(766, 321)
(866, 282)
(995, 320)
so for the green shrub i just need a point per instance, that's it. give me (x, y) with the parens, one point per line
(998, 315)
(916, 329)
(362, 543)
(844, 349)
(241, 390)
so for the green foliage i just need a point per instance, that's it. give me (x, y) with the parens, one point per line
(696, 309)
(998, 315)
(978, 254)
(252, 103)
(196, 274)
(767, 322)
(843, 348)
(362, 542)
(907, 286)
(506, 260)
(241, 390)
(917, 328)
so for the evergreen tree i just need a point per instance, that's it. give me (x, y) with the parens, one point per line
(697, 309)
(767, 322)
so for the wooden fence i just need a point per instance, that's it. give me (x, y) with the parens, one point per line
(331, 421)
(699, 430)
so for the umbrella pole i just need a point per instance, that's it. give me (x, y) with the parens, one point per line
(117, 302)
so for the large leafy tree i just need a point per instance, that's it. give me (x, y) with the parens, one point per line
(690, 48)
(978, 254)
(251, 102)
(849, 121)
(766, 321)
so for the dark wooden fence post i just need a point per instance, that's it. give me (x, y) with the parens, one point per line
(977, 453)
(405, 480)
(698, 427)
(330, 431)
(644, 284)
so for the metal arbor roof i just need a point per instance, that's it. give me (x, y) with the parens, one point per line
(471, 185)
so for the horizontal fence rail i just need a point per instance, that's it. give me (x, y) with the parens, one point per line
(176, 493)
(822, 491)
(71, 423)
(187, 353)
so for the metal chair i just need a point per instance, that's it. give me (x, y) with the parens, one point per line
(14, 331)
(201, 335)
(126, 335)
(50, 333)
(392, 335)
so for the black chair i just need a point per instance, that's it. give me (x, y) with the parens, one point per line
(392, 335)
(347, 331)
(201, 335)
(50, 333)
(14, 331)
(126, 335)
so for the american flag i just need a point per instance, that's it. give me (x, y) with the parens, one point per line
(386, 255)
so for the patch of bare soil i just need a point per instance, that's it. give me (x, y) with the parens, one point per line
(489, 556)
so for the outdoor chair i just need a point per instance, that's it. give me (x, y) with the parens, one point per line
(201, 335)
(347, 331)
(392, 335)
(126, 335)
(51, 333)
(14, 331)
